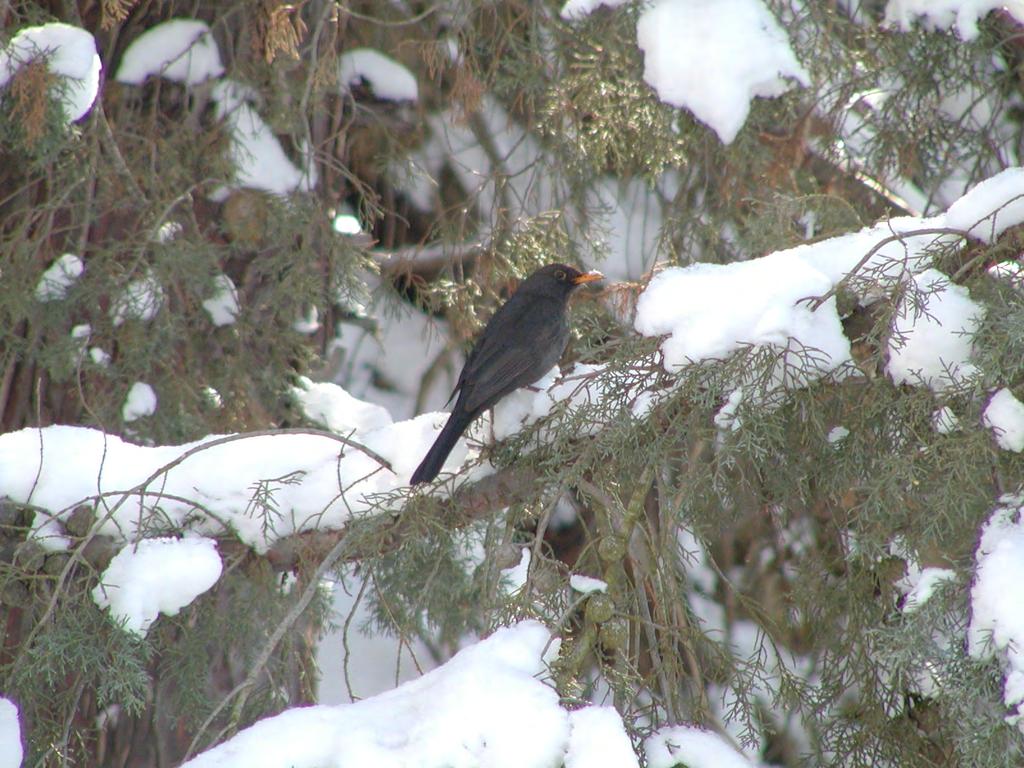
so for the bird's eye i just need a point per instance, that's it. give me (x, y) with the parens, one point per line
(560, 274)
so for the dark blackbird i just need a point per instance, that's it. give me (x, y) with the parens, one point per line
(522, 341)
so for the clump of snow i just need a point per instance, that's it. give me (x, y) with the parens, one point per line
(168, 231)
(140, 401)
(156, 576)
(587, 584)
(223, 305)
(336, 409)
(99, 356)
(316, 482)
(61, 275)
(712, 310)
(997, 622)
(347, 224)
(943, 14)
(69, 52)
(596, 738)
(693, 747)
(573, 10)
(991, 206)
(182, 50)
(933, 333)
(260, 161)
(1004, 415)
(514, 578)
(140, 300)
(727, 418)
(925, 582)
(713, 56)
(945, 421)
(444, 718)
(386, 77)
(11, 751)
(837, 434)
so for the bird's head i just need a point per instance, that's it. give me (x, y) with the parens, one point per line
(558, 279)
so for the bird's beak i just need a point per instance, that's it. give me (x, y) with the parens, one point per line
(588, 277)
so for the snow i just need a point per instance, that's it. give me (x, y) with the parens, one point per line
(991, 206)
(1004, 415)
(137, 585)
(182, 50)
(260, 160)
(713, 56)
(933, 333)
(514, 579)
(389, 365)
(837, 434)
(61, 275)
(924, 585)
(997, 601)
(140, 300)
(693, 747)
(70, 52)
(10, 735)
(726, 418)
(587, 584)
(316, 482)
(945, 421)
(347, 224)
(141, 401)
(444, 718)
(387, 78)
(336, 409)
(223, 305)
(597, 740)
(574, 10)
(943, 14)
(369, 663)
(712, 310)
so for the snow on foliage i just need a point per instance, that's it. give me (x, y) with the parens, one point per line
(136, 588)
(56, 468)
(336, 409)
(387, 78)
(990, 207)
(1004, 414)
(444, 718)
(141, 401)
(693, 747)
(712, 310)
(577, 9)
(10, 735)
(713, 57)
(222, 307)
(708, 311)
(596, 738)
(997, 600)
(59, 277)
(69, 52)
(933, 333)
(260, 160)
(182, 50)
(141, 300)
(943, 14)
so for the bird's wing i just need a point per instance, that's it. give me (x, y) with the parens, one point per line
(518, 346)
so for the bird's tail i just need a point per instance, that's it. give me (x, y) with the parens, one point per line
(446, 440)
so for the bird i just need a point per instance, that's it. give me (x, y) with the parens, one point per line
(520, 343)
